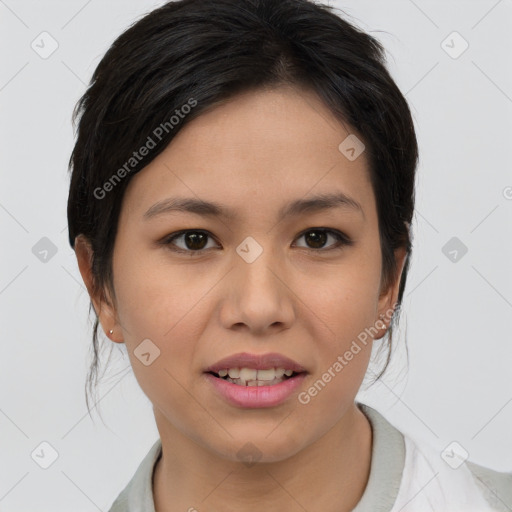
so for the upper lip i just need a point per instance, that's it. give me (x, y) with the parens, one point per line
(256, 362)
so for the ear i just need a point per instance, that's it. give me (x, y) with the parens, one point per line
(389, 295)
(103, 304)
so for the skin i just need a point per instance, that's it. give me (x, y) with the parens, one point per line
(254, 153)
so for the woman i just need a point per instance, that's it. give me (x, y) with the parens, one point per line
(240, 205)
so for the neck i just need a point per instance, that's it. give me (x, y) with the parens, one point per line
(329, 474)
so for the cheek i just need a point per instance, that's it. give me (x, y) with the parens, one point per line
(347, 311)
(164, 307)
(331, 392)
(154, 299)
(342, 311)
(342, 303)
(344, 298)
(154, 307)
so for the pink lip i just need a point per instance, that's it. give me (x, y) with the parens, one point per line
(256, 362)
(253, 397)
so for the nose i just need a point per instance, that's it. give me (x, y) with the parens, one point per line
(257, 296)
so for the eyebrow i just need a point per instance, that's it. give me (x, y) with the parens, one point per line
(212, 209)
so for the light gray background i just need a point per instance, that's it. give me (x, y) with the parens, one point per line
(456, 318)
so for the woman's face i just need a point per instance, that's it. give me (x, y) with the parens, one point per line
(252, 280)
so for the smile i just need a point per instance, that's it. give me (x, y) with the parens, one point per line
(255, 393)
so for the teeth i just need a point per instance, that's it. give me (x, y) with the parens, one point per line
(234, 373)
(252, 377)
(257, 383)
(270, 374)
(249, 374)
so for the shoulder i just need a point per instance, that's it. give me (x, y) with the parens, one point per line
(138, 493)
(419, 477)
(445, 480)
(496, 486)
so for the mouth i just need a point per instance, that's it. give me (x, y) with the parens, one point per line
(251, 377)
(249, 381)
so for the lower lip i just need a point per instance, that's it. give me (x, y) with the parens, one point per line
(256, 396)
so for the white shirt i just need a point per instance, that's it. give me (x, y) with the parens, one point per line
(406, 475)
(430, 484)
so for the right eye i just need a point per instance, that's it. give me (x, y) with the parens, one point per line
(193, 241)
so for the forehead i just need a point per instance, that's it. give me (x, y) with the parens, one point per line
(261, 148)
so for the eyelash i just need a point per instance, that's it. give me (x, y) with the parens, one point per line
(341, 240)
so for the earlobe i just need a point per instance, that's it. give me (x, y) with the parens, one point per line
(113, 337)
(105, 312)
(388, 299)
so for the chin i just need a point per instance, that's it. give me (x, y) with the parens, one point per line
(249, 447)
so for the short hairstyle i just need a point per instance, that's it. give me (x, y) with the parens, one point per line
(201, 53)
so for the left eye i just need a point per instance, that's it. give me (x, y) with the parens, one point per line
(318, 237)
(194, 241)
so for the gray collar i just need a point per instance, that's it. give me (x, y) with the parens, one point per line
(388, 458)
